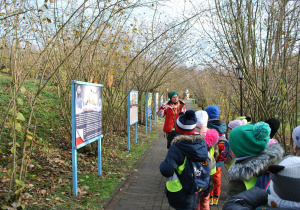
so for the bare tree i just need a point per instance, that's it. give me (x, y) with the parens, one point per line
(262, 39)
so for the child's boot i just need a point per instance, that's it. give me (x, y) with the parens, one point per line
(215, 200)
(211, 201)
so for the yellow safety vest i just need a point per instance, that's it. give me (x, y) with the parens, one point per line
(213, 169)
(230, 163)
(173, 184)
(250, 183)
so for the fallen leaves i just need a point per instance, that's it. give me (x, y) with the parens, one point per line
(83, 190)
(43, 192)
(16, 204)
(59, 199)
(49, 181)
(27, 196)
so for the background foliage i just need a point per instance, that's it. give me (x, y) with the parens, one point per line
(134, 45)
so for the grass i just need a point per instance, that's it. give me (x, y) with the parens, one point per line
(49, 177)
(94, 190)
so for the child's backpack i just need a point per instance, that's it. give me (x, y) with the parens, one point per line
(223, 149)
(263, 181)
(195, 176)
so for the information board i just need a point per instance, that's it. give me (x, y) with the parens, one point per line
(149, 105)
(88, 112)
(133, 107)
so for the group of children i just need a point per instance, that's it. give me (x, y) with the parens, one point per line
(255, 161)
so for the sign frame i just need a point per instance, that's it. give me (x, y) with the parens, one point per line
(76, 147)
(156, 107)
(128, 119)
(148, 116)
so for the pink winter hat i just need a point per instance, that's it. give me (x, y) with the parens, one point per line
(272, 141)
(235, 123)
(202, 118)
(211, 137)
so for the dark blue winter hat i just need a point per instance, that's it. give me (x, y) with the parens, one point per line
(213, 112)
(186, 123)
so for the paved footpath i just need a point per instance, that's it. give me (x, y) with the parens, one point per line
(145, 187)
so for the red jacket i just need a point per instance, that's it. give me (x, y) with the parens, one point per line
(171, 113)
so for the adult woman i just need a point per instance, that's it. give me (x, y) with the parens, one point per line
(171, 110)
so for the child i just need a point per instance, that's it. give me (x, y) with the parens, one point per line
(231, 125)
(274, 125)
(235, 123)
(213, 112)
(249, 144)
(202, 118)
(296, 138)
(248, 118)
(284, 189)
(184, 145)
(211, 140)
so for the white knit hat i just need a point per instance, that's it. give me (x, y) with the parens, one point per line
(296, 136)
(235, 123)
(285, 183)
(202, 118)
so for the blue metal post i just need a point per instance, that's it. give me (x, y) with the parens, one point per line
(99, 157)
(74, 167)
(150, 123)
(136, 127)
(128, 121)
(74, 150)
(154, 117)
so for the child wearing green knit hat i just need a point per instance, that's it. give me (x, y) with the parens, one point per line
(249, 145)
(249, 139)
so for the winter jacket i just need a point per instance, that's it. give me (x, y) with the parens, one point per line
(219, 125)
(244, 171)
(247, 200)
(212, 150)
(255, 198)
(171, 114)
(193, 147)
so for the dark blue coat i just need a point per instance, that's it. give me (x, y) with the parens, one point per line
(192, 146)
(247, 200)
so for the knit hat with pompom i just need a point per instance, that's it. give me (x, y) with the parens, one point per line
(248, 140)
(186, 123)
(211, 137)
